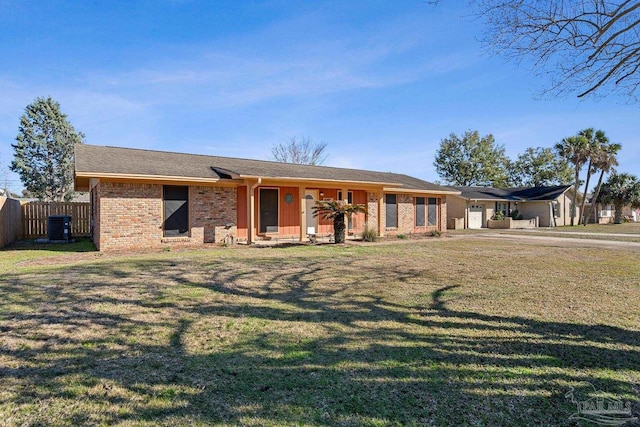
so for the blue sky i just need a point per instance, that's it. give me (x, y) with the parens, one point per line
(381, 82)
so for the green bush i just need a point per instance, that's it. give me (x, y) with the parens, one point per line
(498, 216)
(435, 233)
(369, 234)
(402, 236)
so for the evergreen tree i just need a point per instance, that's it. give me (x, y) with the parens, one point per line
(43, 153)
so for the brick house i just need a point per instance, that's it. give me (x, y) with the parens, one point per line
(143, 198)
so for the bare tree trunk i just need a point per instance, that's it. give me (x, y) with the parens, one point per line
(584, 195)
(594, 199)
(575, 197)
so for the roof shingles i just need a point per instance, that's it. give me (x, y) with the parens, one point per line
(93, 159)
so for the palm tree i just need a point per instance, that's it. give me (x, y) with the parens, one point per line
(575, 149)
(337, 211)
(605, 162)
(621, 189)
(597, 140)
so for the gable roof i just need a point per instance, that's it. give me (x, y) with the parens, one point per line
(104, 161)
(547, 193)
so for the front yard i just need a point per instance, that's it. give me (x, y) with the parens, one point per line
(436, 332)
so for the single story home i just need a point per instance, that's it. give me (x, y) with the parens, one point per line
(144, 198)
(552, 205)
(606, 213)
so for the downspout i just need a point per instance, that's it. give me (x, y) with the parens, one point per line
(251, 206)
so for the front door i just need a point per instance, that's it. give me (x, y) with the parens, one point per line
(310, 197)
(268, 210)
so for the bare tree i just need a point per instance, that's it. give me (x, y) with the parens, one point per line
(302, 151)
(588, 46)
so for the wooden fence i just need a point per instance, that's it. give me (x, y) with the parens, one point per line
(35, 216)
(10, 226)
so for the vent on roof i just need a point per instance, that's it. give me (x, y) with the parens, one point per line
(221, 174)
(59, 227)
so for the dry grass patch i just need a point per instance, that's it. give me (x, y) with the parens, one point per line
(439, 332)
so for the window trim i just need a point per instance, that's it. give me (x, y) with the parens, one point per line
(349, 196)
(505, 212)
(426, 205)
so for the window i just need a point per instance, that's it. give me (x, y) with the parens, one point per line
(502, 207)
(268, 210)
(349, 196)
(426, 214)
(433, 212)
(420, 211)
(176, 210)
(391, 210)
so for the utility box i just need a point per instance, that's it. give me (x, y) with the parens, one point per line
(59, 228)
(456, 224)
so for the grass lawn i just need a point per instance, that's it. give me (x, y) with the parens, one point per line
(626, 228)
(628, 232)
(442, 332)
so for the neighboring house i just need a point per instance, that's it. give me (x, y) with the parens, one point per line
(606, 213)
(143, 198)
(476, 205)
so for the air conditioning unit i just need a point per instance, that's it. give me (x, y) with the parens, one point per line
(59, 227)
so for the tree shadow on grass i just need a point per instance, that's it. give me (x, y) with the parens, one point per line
(273, 342)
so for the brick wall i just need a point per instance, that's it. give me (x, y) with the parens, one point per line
(212, 209)
(130, 216)
(372, 210)
(406, 216)
(443, 214)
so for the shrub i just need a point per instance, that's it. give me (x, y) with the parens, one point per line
(435, 233)
(369, 234)
(402, 236)
(516, 215)
(498, 216)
